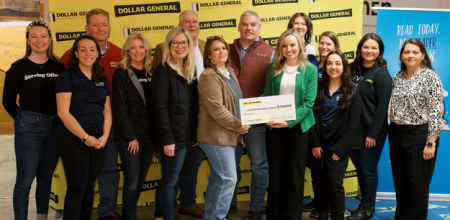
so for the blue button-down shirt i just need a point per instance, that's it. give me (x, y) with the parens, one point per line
(330, 105)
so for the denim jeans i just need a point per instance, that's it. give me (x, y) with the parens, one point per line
(167, 188)
(36, 156)
(256, 148)
(188, 177)
(222, 180)
(108, 180)
(82, 166)
(135, 168)
(366, 163)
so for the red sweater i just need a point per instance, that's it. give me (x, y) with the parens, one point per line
(110, 61)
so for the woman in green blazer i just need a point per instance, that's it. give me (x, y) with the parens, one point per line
(287, 141)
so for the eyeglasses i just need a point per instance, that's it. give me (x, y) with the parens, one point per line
(175, 44)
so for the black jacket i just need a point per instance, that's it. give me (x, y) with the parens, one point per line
(129, 109)
(176, 108)
(338, 136)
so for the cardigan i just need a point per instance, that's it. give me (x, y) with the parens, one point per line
(305, 93)
(338, 136)
(218, 121)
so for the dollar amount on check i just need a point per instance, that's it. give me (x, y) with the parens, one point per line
(263, 109)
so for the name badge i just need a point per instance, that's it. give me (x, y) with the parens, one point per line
(100, 84)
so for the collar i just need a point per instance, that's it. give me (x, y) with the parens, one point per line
(249, 46)
(104, 51)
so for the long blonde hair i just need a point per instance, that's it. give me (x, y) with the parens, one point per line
(126, 59)
(279, 60)
(187, 71)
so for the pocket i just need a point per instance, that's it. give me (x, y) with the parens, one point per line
(28, 121)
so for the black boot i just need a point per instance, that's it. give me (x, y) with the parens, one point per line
(362, 213)
(323, 215)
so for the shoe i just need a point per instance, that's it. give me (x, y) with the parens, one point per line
(362, 213)
(322, 215)
(310, 206)
(233, 210)
(314, 214)
(114, 216)
(253, 215)
(192, 211)
(176, 216)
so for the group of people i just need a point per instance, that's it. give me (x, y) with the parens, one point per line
(184, 103)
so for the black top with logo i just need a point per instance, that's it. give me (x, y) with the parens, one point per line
(88, 97)
(147, 85)
(35, 84)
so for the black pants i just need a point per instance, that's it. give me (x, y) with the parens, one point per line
(286, 155)
(82, 165)
(329, 192)
(412, 174)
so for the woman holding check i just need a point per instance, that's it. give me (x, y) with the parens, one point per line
(219, 125)
(287, 142)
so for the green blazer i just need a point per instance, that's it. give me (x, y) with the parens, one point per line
(305, 93)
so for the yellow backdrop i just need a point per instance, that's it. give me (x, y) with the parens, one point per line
(155, 18)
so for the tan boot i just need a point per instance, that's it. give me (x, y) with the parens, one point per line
(194, 211)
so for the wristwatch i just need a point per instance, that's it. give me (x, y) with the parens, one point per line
(431, 144)
(85, 138)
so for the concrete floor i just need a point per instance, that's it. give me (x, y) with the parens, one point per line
(7, 180)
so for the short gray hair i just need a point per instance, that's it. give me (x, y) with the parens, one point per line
(185, 12)
(246, 13)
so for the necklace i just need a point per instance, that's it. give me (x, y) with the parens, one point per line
(40, 65)
(286, 67)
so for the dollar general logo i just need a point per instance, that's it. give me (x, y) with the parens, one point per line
(349, 194)
(127, 10)
(243, 190)
(275, 20)
(218, 24)
(196, 6)
(346, 34)
(64, 36)
(350, 55)
(330, 14)
(349, 174)
(445, 216)
(54, 197)
(149, 203)
(272, 41)
(267, 2)
(150, 185)
(246, 171)
(55, 175)
(119, 167)
(57, 16)
(147, 29)
(155, 163)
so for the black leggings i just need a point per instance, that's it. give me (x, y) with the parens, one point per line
(82, 165)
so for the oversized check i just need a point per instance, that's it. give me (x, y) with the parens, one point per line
(263, 109)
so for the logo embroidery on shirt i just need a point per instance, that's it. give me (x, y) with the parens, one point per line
(100, 84)
(337, 98)
(369, 80)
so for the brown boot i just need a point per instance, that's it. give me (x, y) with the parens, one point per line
(176, 216)
(232, 210)
(253, 215)
(194, 211)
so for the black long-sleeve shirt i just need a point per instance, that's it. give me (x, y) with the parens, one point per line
(375, 87)
(35, 85)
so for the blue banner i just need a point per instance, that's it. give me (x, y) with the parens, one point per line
(433, 29)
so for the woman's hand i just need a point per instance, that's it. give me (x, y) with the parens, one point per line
(91, 141)
(335, 157)
(277, 124)
(169, 150)
(101, 142)
(317, 152)
(370, 142)
(244, 130)
(428, 152)
(133, 146)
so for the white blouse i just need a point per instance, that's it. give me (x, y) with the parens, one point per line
(287, 85)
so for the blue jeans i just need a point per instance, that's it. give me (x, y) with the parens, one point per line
(108, 180)
(188, 177)
(366, 163)
(222, 180)
(255, 143)
(135, 168)
(36, 156)
(167, 188)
